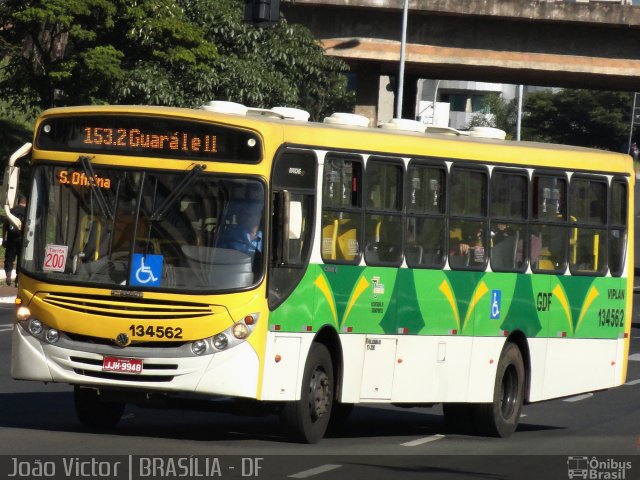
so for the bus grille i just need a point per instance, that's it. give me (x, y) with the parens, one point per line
(123, 376)
(138, 308)
(156, 375)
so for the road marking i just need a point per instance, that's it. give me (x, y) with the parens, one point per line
(315, 471)
(578, 398)
(633, 382)
(420, 441)
(635, 357)
(6, 327)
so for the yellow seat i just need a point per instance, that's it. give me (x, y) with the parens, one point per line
(330, 240)
(348, 245)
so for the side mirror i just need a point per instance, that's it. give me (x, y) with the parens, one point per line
(10, 186)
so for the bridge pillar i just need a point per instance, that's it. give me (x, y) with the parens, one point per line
(368, 92)
(410, 94)
(376, 94)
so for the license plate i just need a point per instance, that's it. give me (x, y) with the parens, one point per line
(122, 365)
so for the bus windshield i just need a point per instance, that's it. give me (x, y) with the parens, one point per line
(186, 230)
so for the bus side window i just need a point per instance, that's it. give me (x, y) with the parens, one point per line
(548, 226)
(425, 224)
(341, 211)
(468, 212)
(383, 217)
(617, 226)
(587, 244)
(508, 208)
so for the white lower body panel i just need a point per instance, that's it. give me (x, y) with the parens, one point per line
(580, 365)
(231, 373)
(435, 369)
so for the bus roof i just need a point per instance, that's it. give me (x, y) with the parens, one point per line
(386, 141)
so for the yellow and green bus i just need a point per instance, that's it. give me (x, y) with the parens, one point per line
(245, 254)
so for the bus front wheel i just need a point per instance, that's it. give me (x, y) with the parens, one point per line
(94, 413)
(306, 420)
(500, 418)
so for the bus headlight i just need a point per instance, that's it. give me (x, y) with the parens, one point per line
(220, 341)
(199, 347)
(236, 333)
(52, 335)
(23, 313)
(35, 327)
(240, 331)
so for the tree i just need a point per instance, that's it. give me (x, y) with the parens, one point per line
(64, 52)
(281, 65)
(586, 118)
(498, 114)
(165, 52)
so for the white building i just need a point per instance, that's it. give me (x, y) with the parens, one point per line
(464, 100)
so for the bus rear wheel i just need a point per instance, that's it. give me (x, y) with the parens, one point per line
(306, 420)
(500, 418)
(94, 413)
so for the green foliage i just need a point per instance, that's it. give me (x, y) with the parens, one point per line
(65, 52)
(281, 65)
(586, 118)
(165, 52)
(14, 135)
(498, 114)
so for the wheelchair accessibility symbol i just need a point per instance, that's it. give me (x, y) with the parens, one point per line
(146, 270)
(496, 296)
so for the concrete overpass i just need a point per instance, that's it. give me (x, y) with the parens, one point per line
(567, 44)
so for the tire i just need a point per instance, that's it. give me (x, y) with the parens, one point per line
(306, 420)
(95, 414)
(500, 418)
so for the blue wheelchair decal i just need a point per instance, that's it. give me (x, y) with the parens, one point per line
(496, 297)
(146, 270)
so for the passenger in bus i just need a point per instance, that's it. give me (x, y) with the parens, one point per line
(535, 247)
(469, 248)
(506, 247)
(246, 235)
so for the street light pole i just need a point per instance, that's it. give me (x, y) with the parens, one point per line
(633, 118)
(519, 119)
(403, 46)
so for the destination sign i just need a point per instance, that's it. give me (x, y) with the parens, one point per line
(80, 179)
(149, 136)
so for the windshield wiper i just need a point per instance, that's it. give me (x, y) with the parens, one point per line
(179, 190)
(85, 162)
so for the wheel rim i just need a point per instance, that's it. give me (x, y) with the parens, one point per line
(319, 394)
(509, 392)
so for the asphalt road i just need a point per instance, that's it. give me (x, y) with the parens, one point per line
(38, 424)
